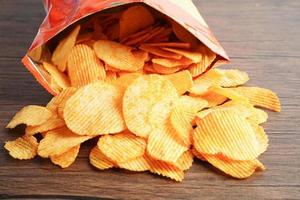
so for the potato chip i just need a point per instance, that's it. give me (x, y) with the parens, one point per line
(99, 160)
(82, 38)
(226, 132)
(139, 34)
(165, 70)
(95, 109)
(111, 76)
(230, 94)
(180, 45)
(67, 158)
(122, 147)
(120, 56)
(139, 164)
(192, 55)
(126, 80)
(258, 116)
(60, 99)
(31, 116)
(183, 34)
(185, 161)
(163, 145)
(208, 58)
(165, 62)
(144, 38)
(53, 84)
(232, 77)
(260, 97)
(261, 136)
(148, 68)
(234, 168)
(58, 141)
(84, 67)
(166, 170)
(62, 51)
(53, 123)
(159, 52)
(212, 98)
(60, 78)
(134, 19)
(195, 104)
(22, 148)
(147, 103)
(182, 81)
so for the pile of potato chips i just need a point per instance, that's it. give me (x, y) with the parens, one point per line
(145, 87)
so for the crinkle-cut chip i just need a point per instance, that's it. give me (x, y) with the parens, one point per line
(113, 31)
(120, 56)
(182, 81)
(53, 123)
(185, 161)
(180, 45)
(195, 104)
(126, 80)
(207, 59)
(212, 98)
(31, 116)
(122, 147)
(22, 148)
(183, 35)
(170, 63)
(62, 51)
(165, 70)
(60, 78)
(234, 168)
(110, 68)
(99, 160)
(67, 158)
(139, 164)
(84, 67)
(159, 52)
(95, 109)
(163, 144)
(197, 154)
(232, 77)
(230, 94)
(260, 97)
(60, 98)
(261, 136)
(65, 95)
(147, 103)
(165, 169)
(225, 131)
(111, 76)
(59, 141)
(258, 116)
(134, 19)
(192, 55)
(84, 37)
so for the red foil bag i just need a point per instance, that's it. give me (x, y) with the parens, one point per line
(63, 13)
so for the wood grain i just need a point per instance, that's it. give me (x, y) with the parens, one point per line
(261, 36)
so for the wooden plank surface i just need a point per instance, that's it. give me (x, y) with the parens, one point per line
(261, 36)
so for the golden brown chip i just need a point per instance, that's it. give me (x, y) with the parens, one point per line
(134, 19)
(230, 94)
(58, 141)
(160, 52)
(212, 98)
(99, 160)
(192, 55)
(95, 109)
(54, 86)
(260, 97)
(62, 51)
(165, 70)
(60, 99)
(120, 56)
(122, 147)
(31, 116)
(111, 76)
(66, 159)
(182, 81)
(139, 164)
(22, 148)
(226, 132)
(84, 67)
(125, 80)
(60, 78)
(185, 161)
(147, 103)
(170, 63)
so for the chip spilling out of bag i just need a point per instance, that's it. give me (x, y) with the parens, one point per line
(145, 88)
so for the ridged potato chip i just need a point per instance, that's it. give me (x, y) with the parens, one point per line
(60, 78)
(159, 69)
(138, 164)
(22, 148)
(185, 161)
(170, 63)
(84, 67)
(163, 144)
(230, 94)
(99, 160)
(212, 98)
(261, 97)
(58, 141)
(120, 56)
(67, 158)
(226, 132)
(147, 103)
(122, 147)
(182, 81)
(191, 55)
(31, 116)
(62, 51)
(232, 77)
(197, 154)
(134, 19)
(95, 109)
(60, 99)
(160, 52)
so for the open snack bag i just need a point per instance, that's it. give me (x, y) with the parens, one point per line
(140, 76)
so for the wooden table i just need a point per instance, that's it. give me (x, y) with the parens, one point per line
(261, 36)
